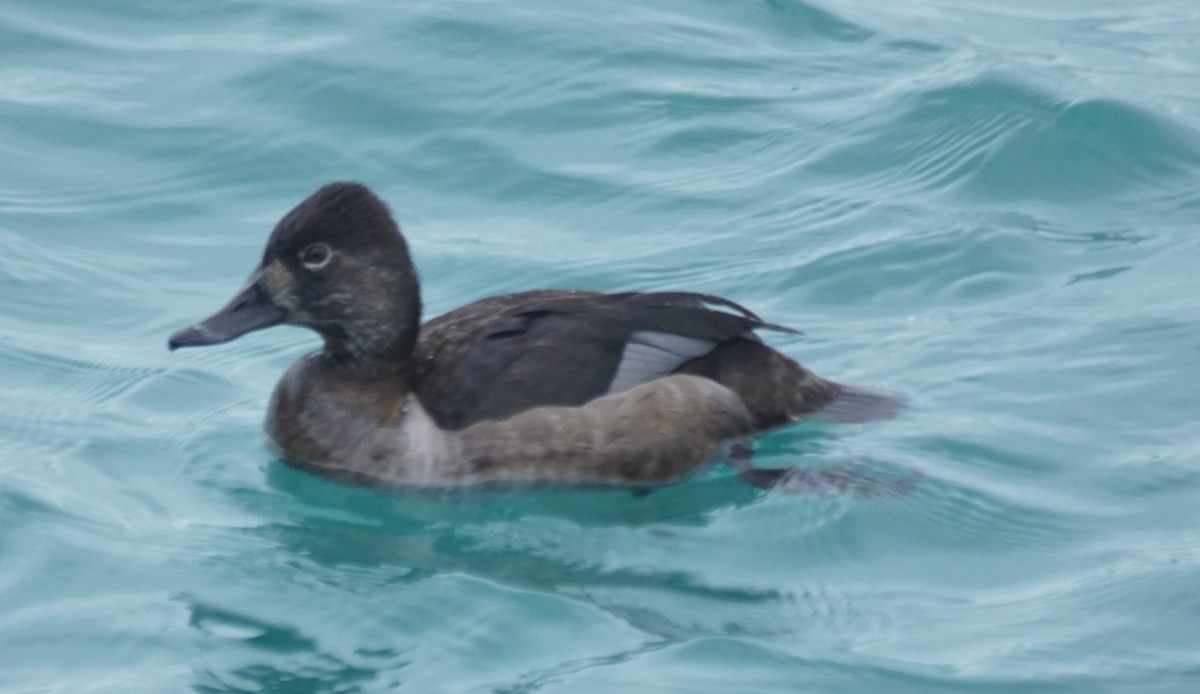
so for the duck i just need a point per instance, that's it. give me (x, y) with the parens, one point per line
(548, 387)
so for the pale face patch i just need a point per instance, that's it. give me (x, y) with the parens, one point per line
(281, 285)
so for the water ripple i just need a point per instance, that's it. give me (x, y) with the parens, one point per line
(989, 209)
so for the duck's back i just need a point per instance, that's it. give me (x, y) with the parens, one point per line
(497, 357)
(506, 354)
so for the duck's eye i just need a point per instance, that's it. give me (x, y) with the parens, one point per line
(316, 256)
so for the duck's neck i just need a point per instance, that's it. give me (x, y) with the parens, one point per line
(365, 366)
(381, 343)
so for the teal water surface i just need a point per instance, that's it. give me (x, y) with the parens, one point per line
(990, 207)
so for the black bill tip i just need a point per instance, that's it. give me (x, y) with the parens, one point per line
(194, 336)
(251, 309)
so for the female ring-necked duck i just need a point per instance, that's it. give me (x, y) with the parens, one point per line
(550, 387)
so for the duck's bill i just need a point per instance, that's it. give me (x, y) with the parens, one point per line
(250, 310)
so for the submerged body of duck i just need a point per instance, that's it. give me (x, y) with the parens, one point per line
(549, 387)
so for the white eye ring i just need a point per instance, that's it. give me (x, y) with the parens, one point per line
(316, 256)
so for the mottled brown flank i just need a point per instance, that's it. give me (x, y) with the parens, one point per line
(653, 434)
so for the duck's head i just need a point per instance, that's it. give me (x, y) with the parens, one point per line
(337, 264)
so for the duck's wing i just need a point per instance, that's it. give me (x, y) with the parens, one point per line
(507, 354)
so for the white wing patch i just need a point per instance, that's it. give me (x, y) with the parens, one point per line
(650, 355)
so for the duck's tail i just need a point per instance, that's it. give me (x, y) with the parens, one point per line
(857, 404)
